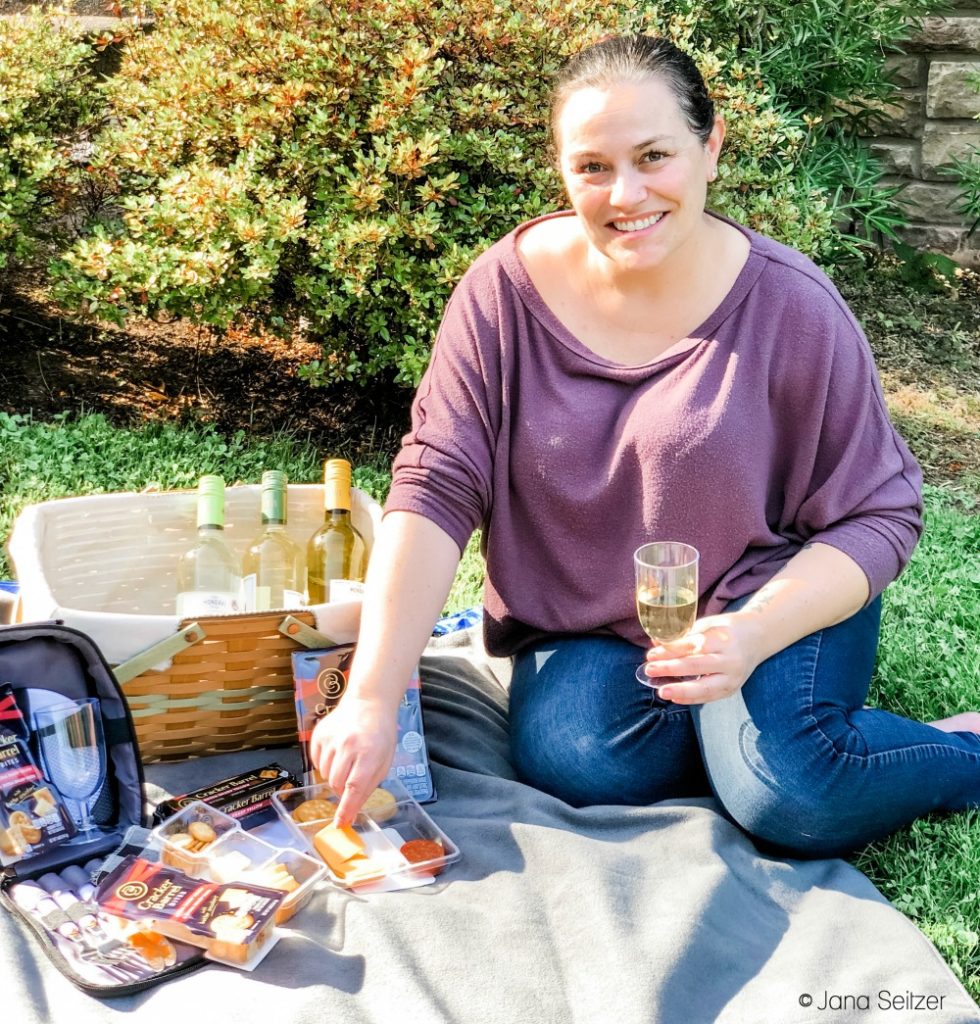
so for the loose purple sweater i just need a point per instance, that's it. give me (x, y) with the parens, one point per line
(763, 430)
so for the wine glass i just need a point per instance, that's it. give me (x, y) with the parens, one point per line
(73, 752)
(666, 593)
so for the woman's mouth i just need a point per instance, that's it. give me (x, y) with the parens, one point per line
(629, 227)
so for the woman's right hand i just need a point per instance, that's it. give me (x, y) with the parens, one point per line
(352, 747)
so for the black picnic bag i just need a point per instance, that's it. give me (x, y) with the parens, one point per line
(41, 663)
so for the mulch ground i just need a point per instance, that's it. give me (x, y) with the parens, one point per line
(51, 364)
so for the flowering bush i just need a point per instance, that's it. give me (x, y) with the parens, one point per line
(337, 166)
(332, 168)
(45, 95)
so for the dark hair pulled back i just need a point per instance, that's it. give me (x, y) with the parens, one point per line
(633, 58)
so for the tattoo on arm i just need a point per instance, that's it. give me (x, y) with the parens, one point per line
(760, 601)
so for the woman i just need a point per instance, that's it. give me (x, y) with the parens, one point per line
(636, 369)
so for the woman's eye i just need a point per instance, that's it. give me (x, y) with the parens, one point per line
(591, 168)
(652, 156)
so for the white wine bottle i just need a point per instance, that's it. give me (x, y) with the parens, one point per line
(273, 569)
(336, 556)
(208, 575)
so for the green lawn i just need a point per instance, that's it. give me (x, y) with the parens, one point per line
(929, 665)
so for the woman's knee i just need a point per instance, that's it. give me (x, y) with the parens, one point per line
(584, 730)
(788, 788)
(784, 820)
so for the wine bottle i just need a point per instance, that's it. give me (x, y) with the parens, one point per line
(273, 570)
(336, 557)
(208, 575)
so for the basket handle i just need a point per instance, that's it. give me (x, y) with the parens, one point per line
(298, 630)
(163, 651)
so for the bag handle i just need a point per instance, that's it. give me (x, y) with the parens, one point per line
(309, 637)
(163, 651)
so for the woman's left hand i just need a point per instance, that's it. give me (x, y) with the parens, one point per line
(722, 651)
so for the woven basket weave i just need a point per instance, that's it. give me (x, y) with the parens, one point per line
(106, 565)
(230, 690)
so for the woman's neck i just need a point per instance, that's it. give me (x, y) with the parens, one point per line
(689, 267)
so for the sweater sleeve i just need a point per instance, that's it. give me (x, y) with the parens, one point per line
(444, 469)
(852, 483)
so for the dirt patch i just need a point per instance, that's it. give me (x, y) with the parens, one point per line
(52, 363)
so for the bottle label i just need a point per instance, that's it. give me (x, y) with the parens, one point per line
(344, 590)
(197, 602)
(257, 598)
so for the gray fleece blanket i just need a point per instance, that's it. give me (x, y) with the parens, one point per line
(607, 915)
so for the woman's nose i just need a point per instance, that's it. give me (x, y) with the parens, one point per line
(627, 188)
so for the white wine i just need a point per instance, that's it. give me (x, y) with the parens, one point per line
(273, 569)
(661, 621)
(336, 556)
(209, 579)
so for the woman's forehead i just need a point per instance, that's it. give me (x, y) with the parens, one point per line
(621, 113)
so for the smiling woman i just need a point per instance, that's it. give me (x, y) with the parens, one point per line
(637, 369)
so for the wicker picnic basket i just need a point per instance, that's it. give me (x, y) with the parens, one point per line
(106, 564)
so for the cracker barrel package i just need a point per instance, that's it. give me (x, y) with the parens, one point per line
(320, 679)
(233, 922)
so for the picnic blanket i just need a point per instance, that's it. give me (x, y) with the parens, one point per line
(605, 915)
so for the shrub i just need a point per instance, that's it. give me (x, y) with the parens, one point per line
(45, 96)
(347, 161)
(828, 61)
(333, 168)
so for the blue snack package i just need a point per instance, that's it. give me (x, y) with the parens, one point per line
(320, 679)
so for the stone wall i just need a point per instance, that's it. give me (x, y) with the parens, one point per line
(932, 123)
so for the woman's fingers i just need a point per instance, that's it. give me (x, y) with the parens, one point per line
(358, 786)
(699, 691)
(693, 665)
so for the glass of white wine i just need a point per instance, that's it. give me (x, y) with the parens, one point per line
(666, 593)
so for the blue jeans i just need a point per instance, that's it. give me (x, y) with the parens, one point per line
(794, 758)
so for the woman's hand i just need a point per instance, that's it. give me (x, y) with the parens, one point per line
(721, 650)
(352, 748)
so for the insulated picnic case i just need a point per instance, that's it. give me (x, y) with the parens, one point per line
(49, 887)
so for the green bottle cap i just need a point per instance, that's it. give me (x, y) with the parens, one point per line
(274, 496)
(211, 501)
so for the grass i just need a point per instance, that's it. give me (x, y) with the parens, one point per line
(929, 661)
(928, 668)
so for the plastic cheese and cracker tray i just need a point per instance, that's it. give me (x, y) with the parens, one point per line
(392, 844)
(205, 843)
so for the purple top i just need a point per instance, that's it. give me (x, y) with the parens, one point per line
(763, 430)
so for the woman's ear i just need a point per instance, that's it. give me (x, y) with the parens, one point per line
(712, 146)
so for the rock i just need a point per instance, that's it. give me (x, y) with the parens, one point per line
(943, 142)
(897, 156)
(903, 117)
(954, 88)
(952, 241)
(906, 72)
(953, 32)
(931, 202)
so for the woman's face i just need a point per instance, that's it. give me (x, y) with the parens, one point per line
(634, 171)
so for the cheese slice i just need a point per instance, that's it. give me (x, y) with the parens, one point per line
(339, 846)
